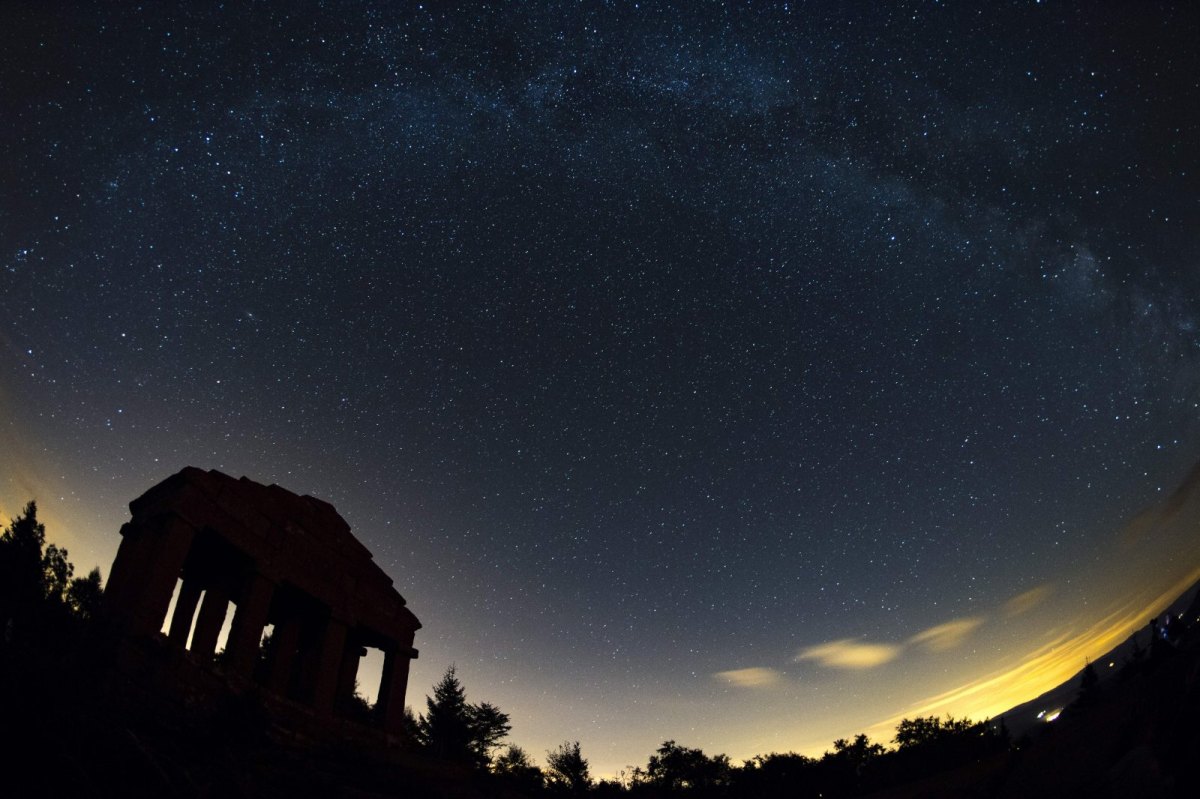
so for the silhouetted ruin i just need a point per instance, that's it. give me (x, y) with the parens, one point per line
(152, 711)
(287, 564)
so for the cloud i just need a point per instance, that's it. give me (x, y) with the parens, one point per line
(754, 677)
(1043, 668)
(946, 636)
(1023, 603)
(849, 654)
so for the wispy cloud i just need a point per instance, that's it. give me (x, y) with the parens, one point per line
(1044, 667)
(848, 653)
(946, 636)
(1027, 601)
(754, 677)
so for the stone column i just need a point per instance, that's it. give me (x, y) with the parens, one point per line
(144, 573)
(125, 576)
(185, 611)
(210, 621)
(393, 687)
(248, 622)
(329, 659)
(284, 642)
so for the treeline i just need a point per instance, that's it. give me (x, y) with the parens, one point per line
(43, 605)
(474, 736)
(39, 592)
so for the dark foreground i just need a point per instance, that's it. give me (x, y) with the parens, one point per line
(78, 726)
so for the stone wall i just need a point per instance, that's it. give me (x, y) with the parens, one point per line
(276, 559)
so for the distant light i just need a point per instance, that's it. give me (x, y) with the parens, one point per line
(1040, 715)
(1052, 715)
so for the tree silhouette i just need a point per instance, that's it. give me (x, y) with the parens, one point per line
(22, 579)
(858, 751)
(929, 730)
(355, 706)
(516, 768)
(454, 730)
(57, 572)
(489, 726)
(445, 729)
(927, 745)
(1088, 680)
(676, 767)
(914, 732)
(34, 578)
(411, 724)
(84, 595)
(567, 769)
(1088, 685)
(775, 775)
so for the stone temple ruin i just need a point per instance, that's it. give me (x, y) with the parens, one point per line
(284, 562)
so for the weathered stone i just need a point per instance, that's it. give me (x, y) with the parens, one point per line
(284, 560)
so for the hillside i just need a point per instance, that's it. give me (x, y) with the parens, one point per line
(1027, 716)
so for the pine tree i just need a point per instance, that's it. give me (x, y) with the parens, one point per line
(1088, 683)
(445, 729)
(1089, 680)
(23, 572)
(455, 730)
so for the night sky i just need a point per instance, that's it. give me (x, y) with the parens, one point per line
(743, 374)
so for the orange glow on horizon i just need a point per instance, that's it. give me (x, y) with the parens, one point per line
(1042, 669)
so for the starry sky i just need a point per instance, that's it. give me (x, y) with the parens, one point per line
(748, 374)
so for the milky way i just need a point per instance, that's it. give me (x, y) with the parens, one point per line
(743, 375)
